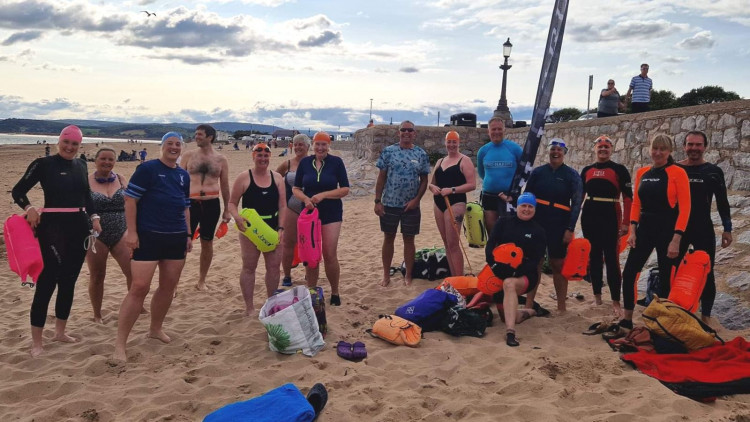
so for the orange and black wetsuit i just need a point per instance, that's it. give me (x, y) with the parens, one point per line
(661, 208)
(602, 216)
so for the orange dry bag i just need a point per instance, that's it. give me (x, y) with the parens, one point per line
(576, 264)
(687, 285)
(487, 282)
(464, 284)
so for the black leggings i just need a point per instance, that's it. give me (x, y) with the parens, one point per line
(654, 232)
(600, 227)
(703, 238)
(61, 238)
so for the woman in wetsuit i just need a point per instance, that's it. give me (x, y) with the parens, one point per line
(658, 218)
(61, 226)
(107, 189)
(453, 177)
(602, 220)
(263, 190)
(288, 170)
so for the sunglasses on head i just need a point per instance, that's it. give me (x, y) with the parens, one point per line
(261, 149)
(406, 129)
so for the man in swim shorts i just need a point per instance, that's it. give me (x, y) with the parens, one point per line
(402, 181)
(496, 165)
(209, 179)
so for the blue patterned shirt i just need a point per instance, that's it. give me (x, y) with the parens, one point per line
(403, 169)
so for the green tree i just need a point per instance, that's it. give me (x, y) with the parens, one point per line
(663, 99)
(707, 95)
(565, 114)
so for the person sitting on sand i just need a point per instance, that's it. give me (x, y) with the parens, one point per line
(157, 212)
(401, 182)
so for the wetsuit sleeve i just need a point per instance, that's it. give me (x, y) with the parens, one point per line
(635, 208)
(576, 200)
(626, 190)
(480, 163)
(29, 179)
(341, 175)
(679, 179)
(722, 202)
(493, 241)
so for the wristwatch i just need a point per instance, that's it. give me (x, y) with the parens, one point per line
(377, 200)
(453, 189)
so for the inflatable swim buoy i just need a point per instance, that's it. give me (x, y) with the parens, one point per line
(576, 264)
(688, 283)
(508, 257)
(296, 261)
(464, 284)
(487, 282)
(258, 231)
(309, 238)
(24, 254)
(474, 228)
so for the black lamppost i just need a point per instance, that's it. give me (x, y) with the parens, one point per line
(370, 108)
(502, 109)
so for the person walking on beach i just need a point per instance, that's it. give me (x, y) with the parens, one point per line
(143, 154)
(602, 220)
(558, 190)
(108, 195)
(452, 179)
(321, 181)
(401, 183)
(706, 181)
(263, 190)
(61, 227)
(288, 170)
(640, 90)
(496, 165)
(157, 211)
(609, 101)
(209, 179)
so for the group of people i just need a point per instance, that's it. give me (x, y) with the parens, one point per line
(639, 94)
(152, 219)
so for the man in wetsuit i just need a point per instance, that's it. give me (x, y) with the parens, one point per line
(559, 190)
(209, 178)
(706, 181)
(496, 165)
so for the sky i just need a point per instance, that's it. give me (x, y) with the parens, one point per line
(328, 64)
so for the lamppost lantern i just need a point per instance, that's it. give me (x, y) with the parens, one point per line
(507, 46)
(502, 109)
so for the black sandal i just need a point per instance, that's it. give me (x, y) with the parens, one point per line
(510, 338)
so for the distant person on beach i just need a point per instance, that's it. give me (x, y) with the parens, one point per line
(61, 227)
(288, 170)
(321, 181)
(401, 183)
(496, 165)
(452, 179)
(143, 154)
(263, 190)
(157, 211)
(559, 193)
(609, 101)
(706, 181)
(46, 149)
(640, 90)
(107, 194)
(209, 179)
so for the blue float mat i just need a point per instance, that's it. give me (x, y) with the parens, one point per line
(282, 404)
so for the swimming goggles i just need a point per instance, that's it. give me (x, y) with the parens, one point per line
(261, 149)
(603, 138)
(557, 142)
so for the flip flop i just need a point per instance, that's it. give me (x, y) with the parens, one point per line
(577, 295)
(344, 350)
(540, 312)
(615, 332)
(317, 397)
(599, 328)
(358, 350)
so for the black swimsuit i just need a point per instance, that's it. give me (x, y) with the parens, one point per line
(448, 178)
(264, 200)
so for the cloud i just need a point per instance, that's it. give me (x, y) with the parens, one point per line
(326, 37)
(673, 59)
(317, 21)
(699, 41)
(43, 15)
(145, 2)
(625, 30)
(409, 69)
(22, 37)
(187, 59)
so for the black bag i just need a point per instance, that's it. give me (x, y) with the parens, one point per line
(652, 287)
(466, 322)
(430, 264)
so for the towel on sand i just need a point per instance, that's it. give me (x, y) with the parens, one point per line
(282, 404)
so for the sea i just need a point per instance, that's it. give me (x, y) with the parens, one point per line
(16, 139)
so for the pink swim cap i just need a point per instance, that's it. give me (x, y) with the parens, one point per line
(71, 133)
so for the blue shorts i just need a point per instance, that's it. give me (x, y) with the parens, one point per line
(158, 246)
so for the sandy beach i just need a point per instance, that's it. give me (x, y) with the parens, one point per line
(217, 356)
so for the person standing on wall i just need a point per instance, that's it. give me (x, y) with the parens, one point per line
(640, 91)
(609, 101)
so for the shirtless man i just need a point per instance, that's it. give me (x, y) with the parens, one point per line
(209, 177)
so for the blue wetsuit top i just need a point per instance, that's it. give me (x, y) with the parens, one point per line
(562, 186)
(163, 194)
(496, 165)
(331, 175)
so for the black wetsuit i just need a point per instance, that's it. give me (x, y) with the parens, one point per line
(527, 235)
(264, 200)
(61, 235)
(706, 180)
(601, 218)
(449, 178)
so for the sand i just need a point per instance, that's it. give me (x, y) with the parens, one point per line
(217, 356)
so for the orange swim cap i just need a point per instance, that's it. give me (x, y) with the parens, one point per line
(321, 136)
(452, 136)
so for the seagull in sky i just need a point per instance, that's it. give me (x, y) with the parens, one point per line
(148, 13)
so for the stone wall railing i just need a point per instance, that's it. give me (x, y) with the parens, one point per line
(727, 125)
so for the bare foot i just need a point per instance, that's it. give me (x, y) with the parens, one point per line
(201, 287)
(598, 300)
(98, 320)
(385, 282)
(64, 338)
(616, 309)
(120, 355)
(407, 282)
(159, 335)
(36, 351)
(249, 312)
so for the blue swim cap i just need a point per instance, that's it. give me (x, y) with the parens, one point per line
(170, 135)
(527, 198)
